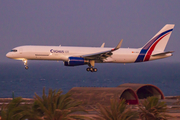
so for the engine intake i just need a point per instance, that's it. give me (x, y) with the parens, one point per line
(75, 61)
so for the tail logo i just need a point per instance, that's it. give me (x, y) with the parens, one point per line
(149, 47)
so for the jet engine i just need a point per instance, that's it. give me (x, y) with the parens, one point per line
(75, 61)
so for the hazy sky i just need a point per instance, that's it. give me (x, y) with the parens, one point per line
(86, 23)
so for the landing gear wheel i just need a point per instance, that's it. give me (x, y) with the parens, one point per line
(91, 69)
(94, 69)
(88, 69)
(26, 67)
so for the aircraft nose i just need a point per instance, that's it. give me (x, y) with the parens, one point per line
(8, 55)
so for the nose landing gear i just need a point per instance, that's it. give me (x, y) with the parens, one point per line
(26, 67)
(26, 64)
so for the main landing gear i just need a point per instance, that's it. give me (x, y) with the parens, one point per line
(91, 66)
(91, 69)
(26, 65)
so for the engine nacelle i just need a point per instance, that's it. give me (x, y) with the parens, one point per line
(75, 61)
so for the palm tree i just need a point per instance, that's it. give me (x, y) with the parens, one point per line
(56, 106)
(152, 109)
(17, 109)
(117, 111)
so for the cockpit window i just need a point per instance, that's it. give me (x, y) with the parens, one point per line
(14, 50)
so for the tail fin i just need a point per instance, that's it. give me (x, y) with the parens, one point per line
(157, 43)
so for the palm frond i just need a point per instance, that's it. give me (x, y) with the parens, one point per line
(117, 111)
(56, 106)
(153, 109)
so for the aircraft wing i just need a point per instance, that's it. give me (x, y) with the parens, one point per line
(102, 55)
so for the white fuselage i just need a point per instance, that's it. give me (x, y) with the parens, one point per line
(62, 53)
(74, 56)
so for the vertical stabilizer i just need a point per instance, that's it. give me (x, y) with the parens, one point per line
(157, 43)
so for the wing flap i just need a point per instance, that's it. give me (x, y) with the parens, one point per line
(97, 56)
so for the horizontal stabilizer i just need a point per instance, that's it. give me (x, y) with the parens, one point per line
(162, 54)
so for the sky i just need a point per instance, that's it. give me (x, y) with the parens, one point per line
(87, 23)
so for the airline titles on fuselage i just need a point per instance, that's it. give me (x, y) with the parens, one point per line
(59, 51)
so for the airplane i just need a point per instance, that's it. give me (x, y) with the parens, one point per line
(75, 56)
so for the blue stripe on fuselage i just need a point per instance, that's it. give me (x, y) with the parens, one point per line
(140, 57)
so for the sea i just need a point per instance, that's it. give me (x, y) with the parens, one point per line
(18, 82)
